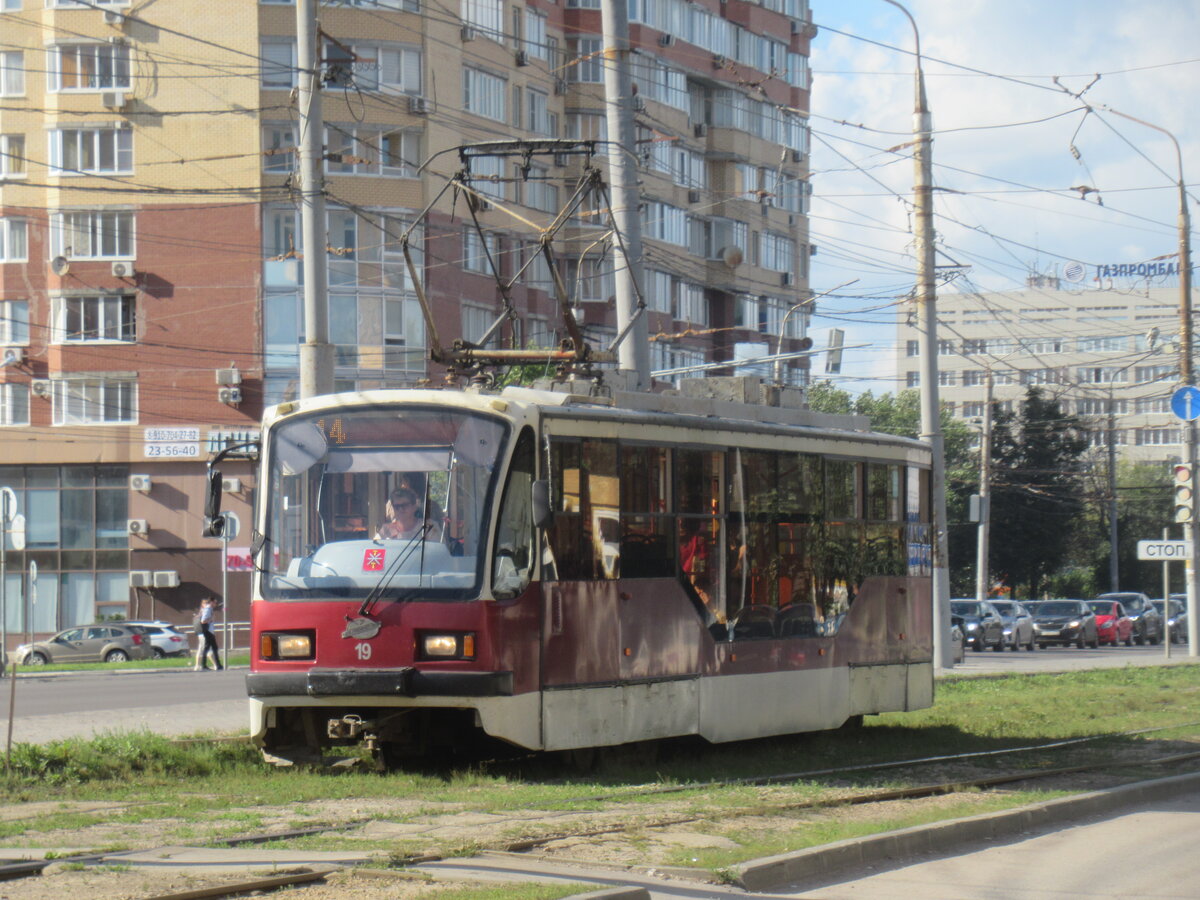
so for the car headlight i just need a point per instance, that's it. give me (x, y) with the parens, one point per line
(1074, 623)
(972, 626)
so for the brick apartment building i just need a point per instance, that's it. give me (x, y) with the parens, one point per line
(150, 296)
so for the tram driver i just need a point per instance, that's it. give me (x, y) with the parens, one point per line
(403, 522)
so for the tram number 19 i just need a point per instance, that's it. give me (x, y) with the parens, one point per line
(363, 651)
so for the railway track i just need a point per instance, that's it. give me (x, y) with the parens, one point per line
(311, 873)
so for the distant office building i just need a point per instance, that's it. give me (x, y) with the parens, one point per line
(151, 301)
(1108, 354)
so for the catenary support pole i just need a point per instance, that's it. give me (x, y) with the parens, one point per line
(634, 351)
(316, 353)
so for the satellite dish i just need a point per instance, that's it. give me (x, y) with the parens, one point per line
(732, 257)
(60, 265)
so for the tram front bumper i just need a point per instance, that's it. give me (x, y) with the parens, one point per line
(405, 681)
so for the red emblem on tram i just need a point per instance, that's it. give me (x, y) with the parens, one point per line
(373, 559)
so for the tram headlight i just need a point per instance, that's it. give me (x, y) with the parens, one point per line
(279, 645)
(448, 646)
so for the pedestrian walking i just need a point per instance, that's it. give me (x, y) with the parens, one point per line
(208, 642)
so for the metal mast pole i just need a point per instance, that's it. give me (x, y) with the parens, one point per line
(926, 299)
(634, 351)
(985, 499)
(1114, 572)
(316, 353)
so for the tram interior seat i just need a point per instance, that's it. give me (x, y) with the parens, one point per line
(754, 622)
(797, 620)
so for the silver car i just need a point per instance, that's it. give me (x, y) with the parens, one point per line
(102, 642)
(1018, 624)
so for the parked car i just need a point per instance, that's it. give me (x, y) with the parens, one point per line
(1066, 622)
(981, 624)
(1147, 623)
(1113, 626)
(1178, 619)
(1018, 624)
(102, 642)
(165, 639)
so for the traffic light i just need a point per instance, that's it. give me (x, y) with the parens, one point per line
(1183, 494)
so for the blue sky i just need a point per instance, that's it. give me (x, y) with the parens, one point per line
(1010, 148)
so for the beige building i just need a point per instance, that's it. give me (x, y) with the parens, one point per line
(150, 280)
(1101, 350)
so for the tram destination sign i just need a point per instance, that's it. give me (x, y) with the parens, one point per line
(1164, 551)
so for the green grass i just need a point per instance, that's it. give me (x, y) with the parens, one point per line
(197, 791)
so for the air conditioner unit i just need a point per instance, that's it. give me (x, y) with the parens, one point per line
(112, 99)
(229, 376)
(141, 578)
(700, 129)
(521, 57)
(693, 196)
(718, 61)
(666, 40)
(785, 278)
(168, 579)
(797, 156)
(140, 483)
(12, 356)
(467, 33)
(418, 106)
(560, 86)
(138, 526)
(797, 26)
(40, 387)
(112, 17)
(122, 270)
(231, 396)
(231, 485)
(639, 104)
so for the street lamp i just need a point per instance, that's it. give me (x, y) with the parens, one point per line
(926, 299)
(783, 326)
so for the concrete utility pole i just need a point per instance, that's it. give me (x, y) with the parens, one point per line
(634, 351)
(985, 496)
(926, 299)
(316, 353)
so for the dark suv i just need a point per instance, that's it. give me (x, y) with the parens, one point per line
(981, 625)
(1147, 623)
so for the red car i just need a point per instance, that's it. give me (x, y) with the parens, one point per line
(1112, 625)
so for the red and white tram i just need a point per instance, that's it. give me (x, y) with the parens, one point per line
(561, 571)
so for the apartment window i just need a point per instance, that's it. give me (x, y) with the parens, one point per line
(487, 176)
(536, 44)
(913, 348)
(660, 288)
(591, 280)
(972, 409)
(692, 306)
(278, 64)
(372, 67)
(776, 252)
(12, 155)
(1157, 437)
(1042, 345)
(483, 94)
(92, 234)
(94, 319)
(1042, 376)
(279, 148)
(1101, 375)
(12, 73)
(537, 113)
(913, 379)
(540, 192)
(1152, 405)
(476, 320)
(94, 401)
(14, 323)
(474, 259)
(1154, 373)
(485, 17)
(665, 223)
(400, 153)
(14, 243)
(14, 404)
(587, 60)
(89, 67)
(587, 127)
(947, 377)
(91, 151)
(1102, 344)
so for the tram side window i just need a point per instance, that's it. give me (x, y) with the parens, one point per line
(645, 549)
(884, 552)
(801, 491)
(752, 589)
(513, 553)
(586, 499)
(698, 506)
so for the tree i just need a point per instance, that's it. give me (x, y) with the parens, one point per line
(1038, 490)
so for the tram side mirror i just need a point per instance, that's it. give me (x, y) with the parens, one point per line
(543, 513)
(214, 522)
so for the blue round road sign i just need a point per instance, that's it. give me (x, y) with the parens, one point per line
(1185, 402)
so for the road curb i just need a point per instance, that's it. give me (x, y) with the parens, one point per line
(620, 893)
(824, 862)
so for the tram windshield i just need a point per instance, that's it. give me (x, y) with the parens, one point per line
(389, 502)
